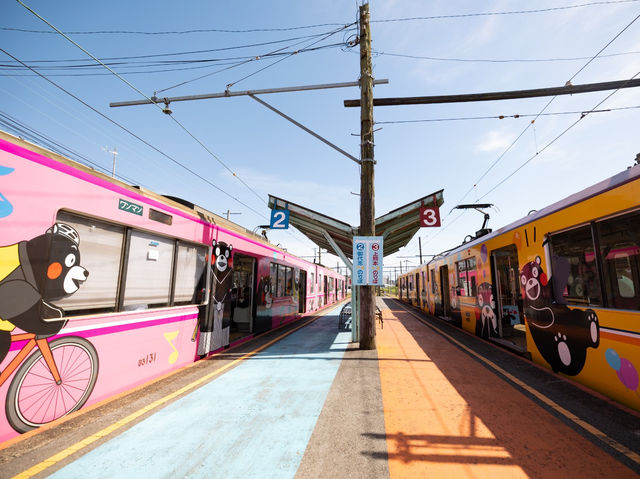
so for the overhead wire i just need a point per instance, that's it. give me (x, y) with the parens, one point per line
(555, 139)
(137, 137)
(328, 35)
(178, 32)
(496, 60)
(303, 27)
(511, 12)
(145, 96)
(529, 126)
(165, 70)
(183, 53)
(23, 130)
(158, 106)
(79, 115)
(502, 117)
(140, 64)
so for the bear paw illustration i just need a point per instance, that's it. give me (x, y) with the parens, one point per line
(594, 327)
(563, 349)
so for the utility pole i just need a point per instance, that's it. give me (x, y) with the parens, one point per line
(367, 196)
(115, 153)
(420, 246)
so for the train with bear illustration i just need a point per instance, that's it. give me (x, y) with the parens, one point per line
(561, 286)
(105, 286)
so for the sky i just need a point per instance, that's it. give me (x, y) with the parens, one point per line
(229, 154)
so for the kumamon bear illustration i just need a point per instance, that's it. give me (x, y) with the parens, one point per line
(34, 273)
(562, 335)
(486, 319)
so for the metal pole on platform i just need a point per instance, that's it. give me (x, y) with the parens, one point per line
(367, 209)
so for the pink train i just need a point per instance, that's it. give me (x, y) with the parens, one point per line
(105, 286)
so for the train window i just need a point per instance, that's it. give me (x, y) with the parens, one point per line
(288, 285)
(466, 274)
(313, 283)
(274, 279)
(148, 275)
(574, 259)
(190, 269)
(100, 247)
(620, 252)
(434, 286)
(281, 280)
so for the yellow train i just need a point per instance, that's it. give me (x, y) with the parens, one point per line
(561, 285)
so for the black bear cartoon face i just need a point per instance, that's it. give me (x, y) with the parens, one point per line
(47, 268)
(561, 334)
(534, 282)
(487, 322)
(222, 255)
(57, 264)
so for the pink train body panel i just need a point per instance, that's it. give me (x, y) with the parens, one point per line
(113, 322)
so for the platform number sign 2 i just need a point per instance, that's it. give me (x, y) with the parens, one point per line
(279, 220)
(429, 216)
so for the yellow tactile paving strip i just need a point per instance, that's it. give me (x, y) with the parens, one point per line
(446, 415)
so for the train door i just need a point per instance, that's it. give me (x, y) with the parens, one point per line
(506, 286)
(326, 290)
(418, 288)
(302, 292)
(242, 293)
(444, 291)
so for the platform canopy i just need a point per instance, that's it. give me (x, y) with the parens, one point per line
(397, 227)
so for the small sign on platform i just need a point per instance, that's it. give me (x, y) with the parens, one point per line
(367, 260)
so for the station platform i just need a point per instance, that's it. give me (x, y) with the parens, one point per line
(304, 402)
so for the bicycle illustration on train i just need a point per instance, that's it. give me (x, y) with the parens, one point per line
(54, 381)
(59, 377)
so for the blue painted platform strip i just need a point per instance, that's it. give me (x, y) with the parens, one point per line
(253, 421)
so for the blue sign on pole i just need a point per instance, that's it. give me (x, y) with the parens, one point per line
(279, 220)
(367, 260)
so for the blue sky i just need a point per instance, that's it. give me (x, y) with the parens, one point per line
(465, 54)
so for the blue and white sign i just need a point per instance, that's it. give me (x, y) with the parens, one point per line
(367, 260)
(279, 219)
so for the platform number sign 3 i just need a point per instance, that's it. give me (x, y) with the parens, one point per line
(429, 217)
(279, 220)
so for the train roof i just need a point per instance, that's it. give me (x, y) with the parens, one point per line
(175, 202)
(626, 176)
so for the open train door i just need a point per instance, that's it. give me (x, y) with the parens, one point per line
(511, 329)
(242, 296)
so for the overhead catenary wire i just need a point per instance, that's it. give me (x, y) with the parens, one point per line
(182, 53)
(303, 27)
(498, 60)
(178, 32)
(145, 96)
(338, 30)
(529, 126)
(23, 130)
(502, 117)
(160, 108)
(509, 12)
(138, 137)
(554, 140)
(212, 63)
(68, 113)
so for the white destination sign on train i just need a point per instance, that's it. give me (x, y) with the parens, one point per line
(367, 260)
